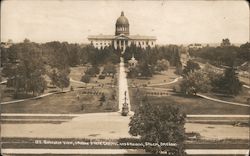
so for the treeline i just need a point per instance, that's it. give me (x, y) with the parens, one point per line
(152, 55)
(153, 60)
(53, 53)
(197, 80)
(27, 65)
(223, 55)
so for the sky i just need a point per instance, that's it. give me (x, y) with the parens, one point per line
(172, 22)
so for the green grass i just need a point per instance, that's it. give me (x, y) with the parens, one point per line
(164, 77)
(192, 105)
(63, 103)
(240, 98)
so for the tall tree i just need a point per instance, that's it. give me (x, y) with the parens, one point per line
(27, 71)
(190, 67)
(159, 124)
(194, 82)
(230, 82)
(60, 78)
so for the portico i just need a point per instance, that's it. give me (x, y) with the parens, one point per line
(122, 38)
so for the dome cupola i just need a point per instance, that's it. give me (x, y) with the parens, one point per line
(122, 25)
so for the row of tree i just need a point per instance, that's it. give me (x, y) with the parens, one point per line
(196, 80)
(223, 55)
(152, 55)
(153, 60)
(27, 64)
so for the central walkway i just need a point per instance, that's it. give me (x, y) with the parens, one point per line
(123, 86)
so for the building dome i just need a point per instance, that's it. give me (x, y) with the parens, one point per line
(122, 25)
(122, 20)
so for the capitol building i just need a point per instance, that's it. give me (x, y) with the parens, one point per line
(122, 37)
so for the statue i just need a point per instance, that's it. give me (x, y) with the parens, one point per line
(125, 106)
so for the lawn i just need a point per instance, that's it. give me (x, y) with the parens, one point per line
(242, 97)
(77, 72)
(191, 105)
(65, 103)
(164, 77)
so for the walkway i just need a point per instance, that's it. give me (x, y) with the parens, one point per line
(123, 86)
(46, 94)
(221, 101)
(165, 83)
(246, 86)
(33, 98)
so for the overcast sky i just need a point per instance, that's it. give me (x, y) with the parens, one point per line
(177, 22)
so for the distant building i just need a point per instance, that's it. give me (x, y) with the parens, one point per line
(7, 44)
(122, 38)
(195, 46)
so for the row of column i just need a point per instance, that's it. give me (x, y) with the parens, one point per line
(121, 43)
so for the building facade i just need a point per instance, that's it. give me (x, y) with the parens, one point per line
(122, 37)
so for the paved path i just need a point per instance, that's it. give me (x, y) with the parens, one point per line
(37, 97)
(246, 86)
(122, 151)
(123, 86)
(94, 114)
(109, 126)
(43, 95)
(92, 125)
(165, 83)
(203, 96)
(3, 82)
(222, 101)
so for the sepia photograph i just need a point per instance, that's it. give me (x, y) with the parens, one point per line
(125, 77)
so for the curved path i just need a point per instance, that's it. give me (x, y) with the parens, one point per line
(222, 101)
(246, 86)
(43, 95)
(165, 83)
(33, 98)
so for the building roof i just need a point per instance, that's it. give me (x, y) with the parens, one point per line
(122, 20)
(111, 37)
(139, 37)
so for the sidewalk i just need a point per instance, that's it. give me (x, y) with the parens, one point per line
(165, 83)
(217, 100)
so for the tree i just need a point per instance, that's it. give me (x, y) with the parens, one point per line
(230, 82)
(92, 71)
(162, 65)
(159, 124)
(194, 82)
(225, 42)
(109, 69)
(190, 67)
(25, 69)
(178, 69)
(145, 69)
(60, 78)
(102, 99)
(85, 78)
